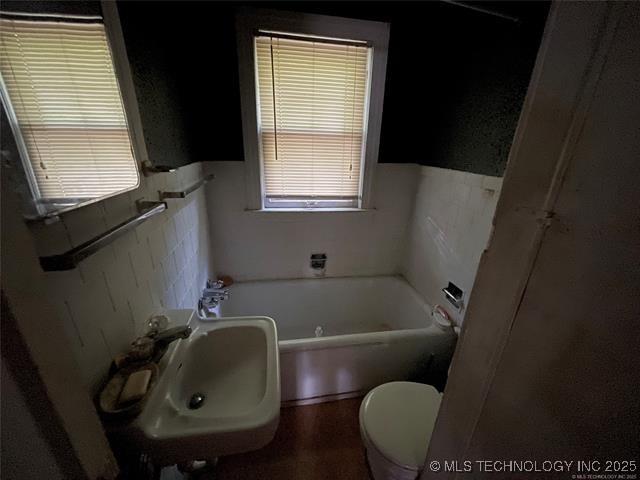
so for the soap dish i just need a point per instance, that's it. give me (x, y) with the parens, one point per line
(108, 402)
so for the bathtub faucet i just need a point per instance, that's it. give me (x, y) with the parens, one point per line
(215, 290)
(215, 294)
(212, 295)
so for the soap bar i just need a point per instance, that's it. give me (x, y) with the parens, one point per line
(135, 387)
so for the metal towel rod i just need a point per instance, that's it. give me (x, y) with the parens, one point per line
(187, 191)
(70, 260)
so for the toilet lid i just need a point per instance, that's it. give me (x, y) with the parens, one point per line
(398, 419)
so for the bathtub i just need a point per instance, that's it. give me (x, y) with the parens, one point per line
(340, 337)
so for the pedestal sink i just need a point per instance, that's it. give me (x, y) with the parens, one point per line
(218, 393)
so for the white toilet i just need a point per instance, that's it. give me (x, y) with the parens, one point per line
(396, 422)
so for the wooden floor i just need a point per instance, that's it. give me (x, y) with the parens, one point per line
(313, 442)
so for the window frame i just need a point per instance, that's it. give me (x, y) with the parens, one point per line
(376, 34)
(115, 39)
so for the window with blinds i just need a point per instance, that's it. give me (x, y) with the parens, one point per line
(312, 100)
(62, 95)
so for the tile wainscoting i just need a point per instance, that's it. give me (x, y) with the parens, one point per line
(450, 228)
(254, 245)
(164, 263)
(429, 224)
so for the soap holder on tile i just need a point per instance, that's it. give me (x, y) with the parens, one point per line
(318, 264)
(318, 261)
(454, 295)
(108, 403)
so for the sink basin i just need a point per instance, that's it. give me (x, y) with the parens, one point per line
(228, 367)
(218, 394)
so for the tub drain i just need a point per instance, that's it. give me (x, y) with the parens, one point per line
(196, 401)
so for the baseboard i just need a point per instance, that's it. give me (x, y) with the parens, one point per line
(323, 399)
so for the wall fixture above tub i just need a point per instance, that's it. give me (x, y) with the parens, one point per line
(318, 264)
(318, 261)
(188, 190)
(454, 295)
(149, 169)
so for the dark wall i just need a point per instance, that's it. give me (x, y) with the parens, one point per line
(58, 7)
(185, 69)
(456, 78)
(456, 82)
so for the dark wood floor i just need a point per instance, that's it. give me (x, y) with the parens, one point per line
(314, 442)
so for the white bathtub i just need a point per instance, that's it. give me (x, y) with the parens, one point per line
(343, 336)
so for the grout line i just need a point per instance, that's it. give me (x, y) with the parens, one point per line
(68, 234)
(104, 339)
(133, 270)
(81, 272)
(150, 292)
(106, 283)
(73, 321)
(153, 262)
(131, 317)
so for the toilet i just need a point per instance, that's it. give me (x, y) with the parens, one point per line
(396, 422)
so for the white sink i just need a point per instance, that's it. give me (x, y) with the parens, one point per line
(231, 365)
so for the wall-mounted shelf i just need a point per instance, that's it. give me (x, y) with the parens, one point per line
(187, 191)
(70, 260)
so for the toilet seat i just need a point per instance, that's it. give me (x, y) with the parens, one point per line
(397, 419)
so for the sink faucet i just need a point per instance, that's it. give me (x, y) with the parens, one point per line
(165, 337)
(156, 341)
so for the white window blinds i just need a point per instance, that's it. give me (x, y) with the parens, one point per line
(61, 84)
(312, 119)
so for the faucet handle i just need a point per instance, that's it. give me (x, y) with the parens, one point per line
(216, 284)
(215, 292)
(157, 323)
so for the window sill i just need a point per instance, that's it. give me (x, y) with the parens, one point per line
(310, 210)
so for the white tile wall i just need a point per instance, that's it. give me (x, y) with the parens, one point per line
(164, 263)
(449, 230)
(261, 245)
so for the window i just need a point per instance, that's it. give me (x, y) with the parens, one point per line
(62, 97)
(316, 108)
(312, 102)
